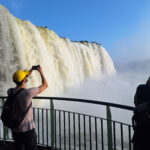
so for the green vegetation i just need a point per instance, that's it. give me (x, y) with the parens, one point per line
(85, 42)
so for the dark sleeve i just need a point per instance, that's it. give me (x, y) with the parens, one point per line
(137, 95)
(9, 91)
(135, 99)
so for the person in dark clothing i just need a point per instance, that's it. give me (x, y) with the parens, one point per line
(141, 137)
(142, 93)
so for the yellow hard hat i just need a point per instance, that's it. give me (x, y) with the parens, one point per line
(19, 75)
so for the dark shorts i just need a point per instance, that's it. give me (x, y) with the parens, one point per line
(25, 140)
(141, 138)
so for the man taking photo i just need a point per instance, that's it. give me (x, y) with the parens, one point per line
(25, 135)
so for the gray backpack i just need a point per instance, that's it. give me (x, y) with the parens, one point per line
(12, 117)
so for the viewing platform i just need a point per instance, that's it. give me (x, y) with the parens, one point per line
(59, 129)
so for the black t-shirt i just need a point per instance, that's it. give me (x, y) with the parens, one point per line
(142, 94)
(142, 130)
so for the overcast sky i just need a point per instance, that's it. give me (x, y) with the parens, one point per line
(121, 26)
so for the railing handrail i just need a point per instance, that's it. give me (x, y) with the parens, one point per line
(85, 101)
(58, 126)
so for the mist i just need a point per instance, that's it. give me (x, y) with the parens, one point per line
(119, 88)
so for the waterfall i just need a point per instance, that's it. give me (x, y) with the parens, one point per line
(65, 63)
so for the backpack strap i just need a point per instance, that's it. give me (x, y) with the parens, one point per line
(25, 113)
(11, 95)
(27, 109)
(14, 95)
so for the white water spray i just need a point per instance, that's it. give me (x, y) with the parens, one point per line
(64, 63)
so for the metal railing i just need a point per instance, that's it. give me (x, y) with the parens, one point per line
(69, 130)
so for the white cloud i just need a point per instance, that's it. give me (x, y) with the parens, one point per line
(135, 46)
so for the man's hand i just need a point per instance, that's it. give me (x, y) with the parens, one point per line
(39, 68)
(44, 84)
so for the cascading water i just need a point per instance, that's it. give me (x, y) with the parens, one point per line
(64, 63)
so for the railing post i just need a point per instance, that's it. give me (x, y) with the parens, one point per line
(109, 129)
(4, 128)
(52, 122)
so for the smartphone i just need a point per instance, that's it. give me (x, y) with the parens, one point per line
(35, 67)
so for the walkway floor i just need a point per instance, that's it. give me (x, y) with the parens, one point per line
(9, 146)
